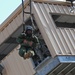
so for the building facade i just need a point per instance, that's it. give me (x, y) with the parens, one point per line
(56, 28)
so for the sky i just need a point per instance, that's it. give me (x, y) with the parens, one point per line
(7, 7)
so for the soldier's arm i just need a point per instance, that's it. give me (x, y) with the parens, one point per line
(20, 38)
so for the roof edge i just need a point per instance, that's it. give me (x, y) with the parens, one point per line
(53, 2)
(12, 16)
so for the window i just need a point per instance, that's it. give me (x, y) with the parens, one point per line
(65, 21)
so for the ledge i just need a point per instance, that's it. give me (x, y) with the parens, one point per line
(57, 65)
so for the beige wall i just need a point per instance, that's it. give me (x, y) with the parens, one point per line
(60, 41)
(15, 65)
(10, 25)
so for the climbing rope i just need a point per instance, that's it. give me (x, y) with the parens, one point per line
(30, 13)
(23, 15)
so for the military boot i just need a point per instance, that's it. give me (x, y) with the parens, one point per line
(29, 54)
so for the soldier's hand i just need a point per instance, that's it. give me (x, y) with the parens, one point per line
(25, 41)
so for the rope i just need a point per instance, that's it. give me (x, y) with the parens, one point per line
(23, 15)
(31, 16)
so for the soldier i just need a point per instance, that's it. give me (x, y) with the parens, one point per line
(28, 42)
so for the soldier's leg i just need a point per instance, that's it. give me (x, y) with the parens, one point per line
(22, 51)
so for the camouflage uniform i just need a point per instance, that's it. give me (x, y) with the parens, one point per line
(28, 43)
